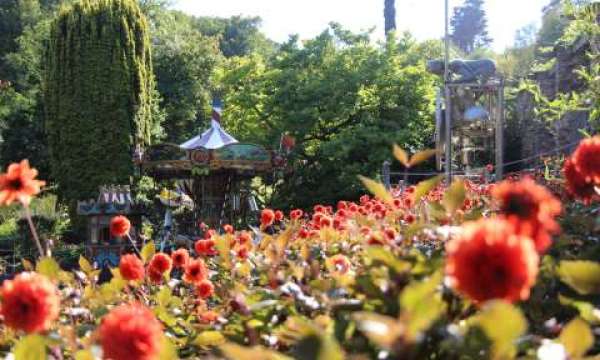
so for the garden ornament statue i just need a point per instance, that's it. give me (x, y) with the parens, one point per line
(464, 71)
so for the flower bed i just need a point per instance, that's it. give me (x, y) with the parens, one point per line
(431, 271)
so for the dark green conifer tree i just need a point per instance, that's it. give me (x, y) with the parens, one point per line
(98, 92)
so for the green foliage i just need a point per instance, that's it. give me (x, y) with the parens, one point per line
(98, 92)
(344, 100)
(184, 61)
(238, 36)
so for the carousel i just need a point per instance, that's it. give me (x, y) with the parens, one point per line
(211, 174)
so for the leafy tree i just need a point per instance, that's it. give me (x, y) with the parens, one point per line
(98, 91)
(238, 36)
(184, 61)
(389, 14)
(345, 101)
(469, 26)
(21, 106)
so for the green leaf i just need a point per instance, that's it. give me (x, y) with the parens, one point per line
(424, 187)
(454, 197)
(30, 347)
(223, 247)
(164, 296)
(503, 324)
(148, 251)
(380, 254)
(401, 155)
(583, 276)
(84, 355)
(421, 305)
(376, 188)
(577, 338)
(168, 350)
(85, 265)
(586, 310)
(209, 338)
(421, 156)
(48, 267)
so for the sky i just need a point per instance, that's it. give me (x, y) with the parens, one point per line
(423, 18)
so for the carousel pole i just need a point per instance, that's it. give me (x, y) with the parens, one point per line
(447, 90)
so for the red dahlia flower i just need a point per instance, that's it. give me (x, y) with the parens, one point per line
(205, 289)
(296, 214)
(180, 258)
(119, 226)
(576, 184)
(131, 267)
(267, 216)
(489, 260)
(156, 277)
(195, 271)
(30, 302)
(587, 159)
(130, 332)
(279, 215)
(228, 229)
(205, 247)
(19, 184)
(161, 263)
(531, 208)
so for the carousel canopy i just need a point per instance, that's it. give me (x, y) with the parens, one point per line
(213, 138)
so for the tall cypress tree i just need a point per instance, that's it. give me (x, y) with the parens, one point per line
(469, 26)
(98, 90)
(389, 14)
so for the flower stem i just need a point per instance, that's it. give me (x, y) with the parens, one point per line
(34, 234)
(133, 244)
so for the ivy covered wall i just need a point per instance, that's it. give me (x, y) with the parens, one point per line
(98, 91)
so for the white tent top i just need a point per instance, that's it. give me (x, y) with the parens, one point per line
(213, 138)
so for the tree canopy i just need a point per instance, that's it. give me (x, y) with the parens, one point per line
(469, 26)
(345, 101)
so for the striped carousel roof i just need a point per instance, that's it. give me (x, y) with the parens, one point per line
(213, 138)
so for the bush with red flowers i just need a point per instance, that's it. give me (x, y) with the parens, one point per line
(433, 270)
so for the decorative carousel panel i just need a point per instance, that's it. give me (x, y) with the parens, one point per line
(166, 160)
(241, 156)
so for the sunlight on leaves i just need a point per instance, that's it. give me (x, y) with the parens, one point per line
(577, 338)
(148, 251)
(209, 338)
(583, 276)
(424, 187)
(384, 256)
(30, 347)
(376, 188)
(48, 267)
(421, 156)
(454, 196)
(587, 311)
(85, 265)
(421, 305)
(401, 155)
(503, 324)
